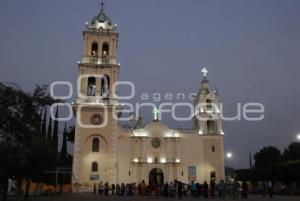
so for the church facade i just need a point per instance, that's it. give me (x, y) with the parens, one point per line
(105, 151)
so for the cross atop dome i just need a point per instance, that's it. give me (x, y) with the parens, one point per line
(155, 112)
(101, 21)
(205, 72)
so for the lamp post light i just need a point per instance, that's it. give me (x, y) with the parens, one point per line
(298, 137)
(229, 155)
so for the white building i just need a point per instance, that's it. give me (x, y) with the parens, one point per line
(104, 151)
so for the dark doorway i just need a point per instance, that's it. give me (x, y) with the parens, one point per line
(156, 176)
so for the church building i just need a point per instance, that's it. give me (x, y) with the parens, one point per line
(108, 152)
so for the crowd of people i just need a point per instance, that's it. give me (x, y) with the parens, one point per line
(179, 189)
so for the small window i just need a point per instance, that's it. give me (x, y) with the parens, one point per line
(94, 167)
(213, 175)
(95, 145)
(211, 126)
(213, 149)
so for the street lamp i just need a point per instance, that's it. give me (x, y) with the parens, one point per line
(229, 155)
(298, 137)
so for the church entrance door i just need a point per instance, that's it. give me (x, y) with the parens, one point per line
(156, 176)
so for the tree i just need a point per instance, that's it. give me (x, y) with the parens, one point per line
(41, 96)
(64, 144)
(71, 134)
(268, 157)
(22, 147)
(292, 152)
(55, 130)
(49, 131)
(44, 124)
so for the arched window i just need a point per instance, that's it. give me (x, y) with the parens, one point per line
(105, 86)
(94, 49)
(91, 90)
(213, 175)
(94, 52)
(95, 145)
(105, 50)
(211, 126)
(94, 166)
(208, 104)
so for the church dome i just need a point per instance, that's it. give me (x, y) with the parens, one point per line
(156, 125)
(101, 21)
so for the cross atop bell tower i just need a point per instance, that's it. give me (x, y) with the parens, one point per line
(204, 71)
(102, 4)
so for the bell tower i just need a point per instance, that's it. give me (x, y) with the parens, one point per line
(208, 124)
(207, 113)
(96, 106)
(99, 64)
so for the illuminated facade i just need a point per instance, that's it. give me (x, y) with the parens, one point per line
(153, 153)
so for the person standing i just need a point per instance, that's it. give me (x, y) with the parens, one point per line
(171, 190)
(179, 190)
(270, 188)
(185, 189)
(27, 189)
(235, 189)
(212, 188)
(221, 188)
(123, 189)
(193, 189)
(263, 190)
(244, 190)
(118, 189)
(95, 189)
(106, 189)
(113, 189)
(205, 189)
(4, 182)
(100, 188)
(165, 189)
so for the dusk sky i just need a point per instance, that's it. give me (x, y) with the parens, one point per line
(250, 48)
